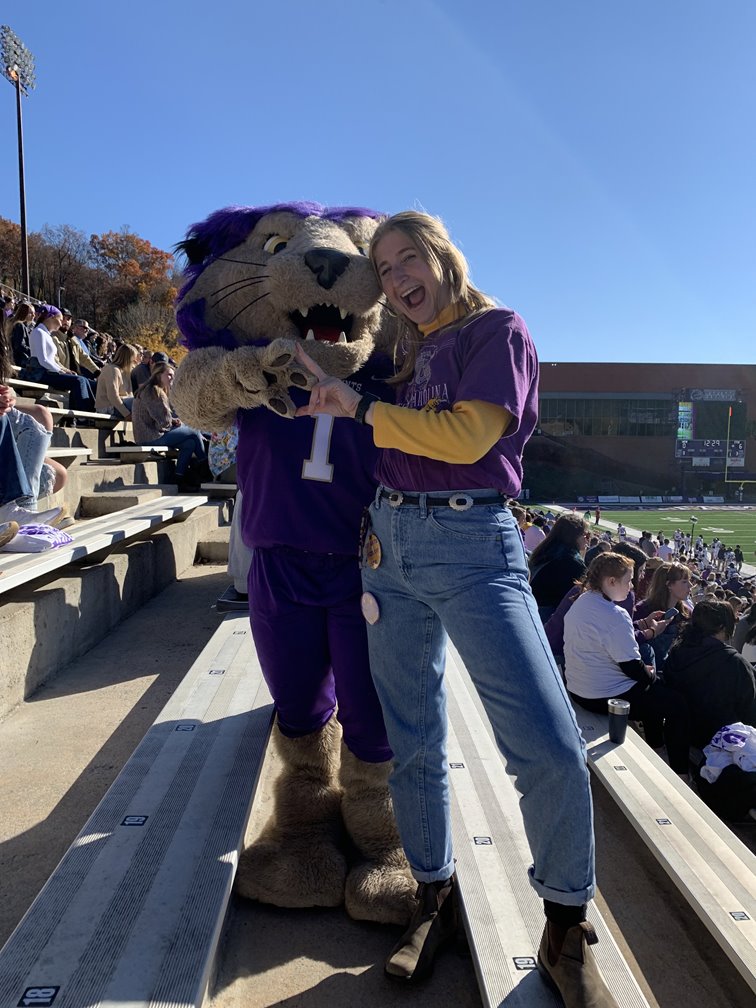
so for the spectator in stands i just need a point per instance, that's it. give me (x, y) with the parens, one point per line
(669, 589)
(17, 500)
(720, 689)
(742, 630)
(82, 360)
(155, 424)
(534, 534)
(646, 543)
(557, 562)
(602, 661)
(114, 383)
(645, 629)
(142, 371)
(44, 367)
(596, 546)
(18, 327)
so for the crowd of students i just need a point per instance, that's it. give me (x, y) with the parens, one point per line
(672, 632)
(100, 373)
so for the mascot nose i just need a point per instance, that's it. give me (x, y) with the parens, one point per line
(327, 265)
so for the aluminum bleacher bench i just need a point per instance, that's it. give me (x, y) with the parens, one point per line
(219, 489)
(100, 419)
(135, 453)
(502, 912)
(134, 912)
(712, 869)
(94, 535)
(69, 453)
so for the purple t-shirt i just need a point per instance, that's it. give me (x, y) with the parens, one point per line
(491, 358)
(305, 481)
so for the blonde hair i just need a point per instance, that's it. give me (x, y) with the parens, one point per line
(657, 596)
(606, 565)
(125, 357)
(448, 265)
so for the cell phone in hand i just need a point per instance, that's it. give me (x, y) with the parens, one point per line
(670, 614)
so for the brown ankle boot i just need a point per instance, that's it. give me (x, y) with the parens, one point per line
(575, 974)
(433, 924)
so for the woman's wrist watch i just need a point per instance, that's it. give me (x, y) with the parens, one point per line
(362, 407)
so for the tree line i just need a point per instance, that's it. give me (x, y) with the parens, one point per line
(119, 282)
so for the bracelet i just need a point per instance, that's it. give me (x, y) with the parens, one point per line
(362, 407)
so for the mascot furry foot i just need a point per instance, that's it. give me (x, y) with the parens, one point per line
(381, 888)
(297, 861)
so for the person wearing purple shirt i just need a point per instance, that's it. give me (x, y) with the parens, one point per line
(443, 554)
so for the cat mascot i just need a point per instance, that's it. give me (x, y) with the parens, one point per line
(258, 281)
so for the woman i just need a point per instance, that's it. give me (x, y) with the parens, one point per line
(49, 370)
(603, 661)
(155, 424)
(669, 589)
(443, 553)
(114, 383)
(19, 327)
(30, 428)
(557, 563)
(720, 688)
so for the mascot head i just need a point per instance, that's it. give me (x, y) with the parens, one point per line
(293, 270)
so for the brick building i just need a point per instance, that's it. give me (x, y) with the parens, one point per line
(643, 428)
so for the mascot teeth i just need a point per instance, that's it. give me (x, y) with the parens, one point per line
(343, 312)
(342, 337)
(311, 335)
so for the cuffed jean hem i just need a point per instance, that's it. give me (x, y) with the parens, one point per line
(434, 876)
(565, 898)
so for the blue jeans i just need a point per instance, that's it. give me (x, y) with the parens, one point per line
(13, 480)
(465, 572)
(188, 442)
(32, 442)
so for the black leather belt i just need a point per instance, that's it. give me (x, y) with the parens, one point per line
(456, 501)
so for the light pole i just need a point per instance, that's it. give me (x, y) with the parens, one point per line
(18, 67)
(693, 521)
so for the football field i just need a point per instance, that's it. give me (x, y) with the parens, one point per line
(732, 526)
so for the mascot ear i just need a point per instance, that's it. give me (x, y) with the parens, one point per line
(195, 250)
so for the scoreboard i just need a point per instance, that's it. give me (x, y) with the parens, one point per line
(709, 448)
(711, 424)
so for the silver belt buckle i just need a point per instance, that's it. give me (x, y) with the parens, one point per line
(395, 498)
(460, 502)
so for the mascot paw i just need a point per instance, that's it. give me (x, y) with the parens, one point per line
(381, 891)
(309, 871)
(264, 376)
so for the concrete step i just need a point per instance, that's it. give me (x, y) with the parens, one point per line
(107, 502)
(213, 547)
(49, 625)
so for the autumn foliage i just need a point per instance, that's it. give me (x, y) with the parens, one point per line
(118, 281)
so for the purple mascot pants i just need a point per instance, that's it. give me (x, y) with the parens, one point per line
(304, 609)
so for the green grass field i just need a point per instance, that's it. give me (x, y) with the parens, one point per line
(732, 526)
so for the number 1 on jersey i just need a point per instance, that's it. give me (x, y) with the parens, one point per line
(317, 466)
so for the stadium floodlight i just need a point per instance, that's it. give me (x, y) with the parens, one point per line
(17, 66)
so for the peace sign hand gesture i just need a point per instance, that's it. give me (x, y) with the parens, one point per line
(328, 395)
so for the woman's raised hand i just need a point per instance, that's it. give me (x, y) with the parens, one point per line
(328, 395)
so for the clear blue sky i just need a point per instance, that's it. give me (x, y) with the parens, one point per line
(594, 158)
